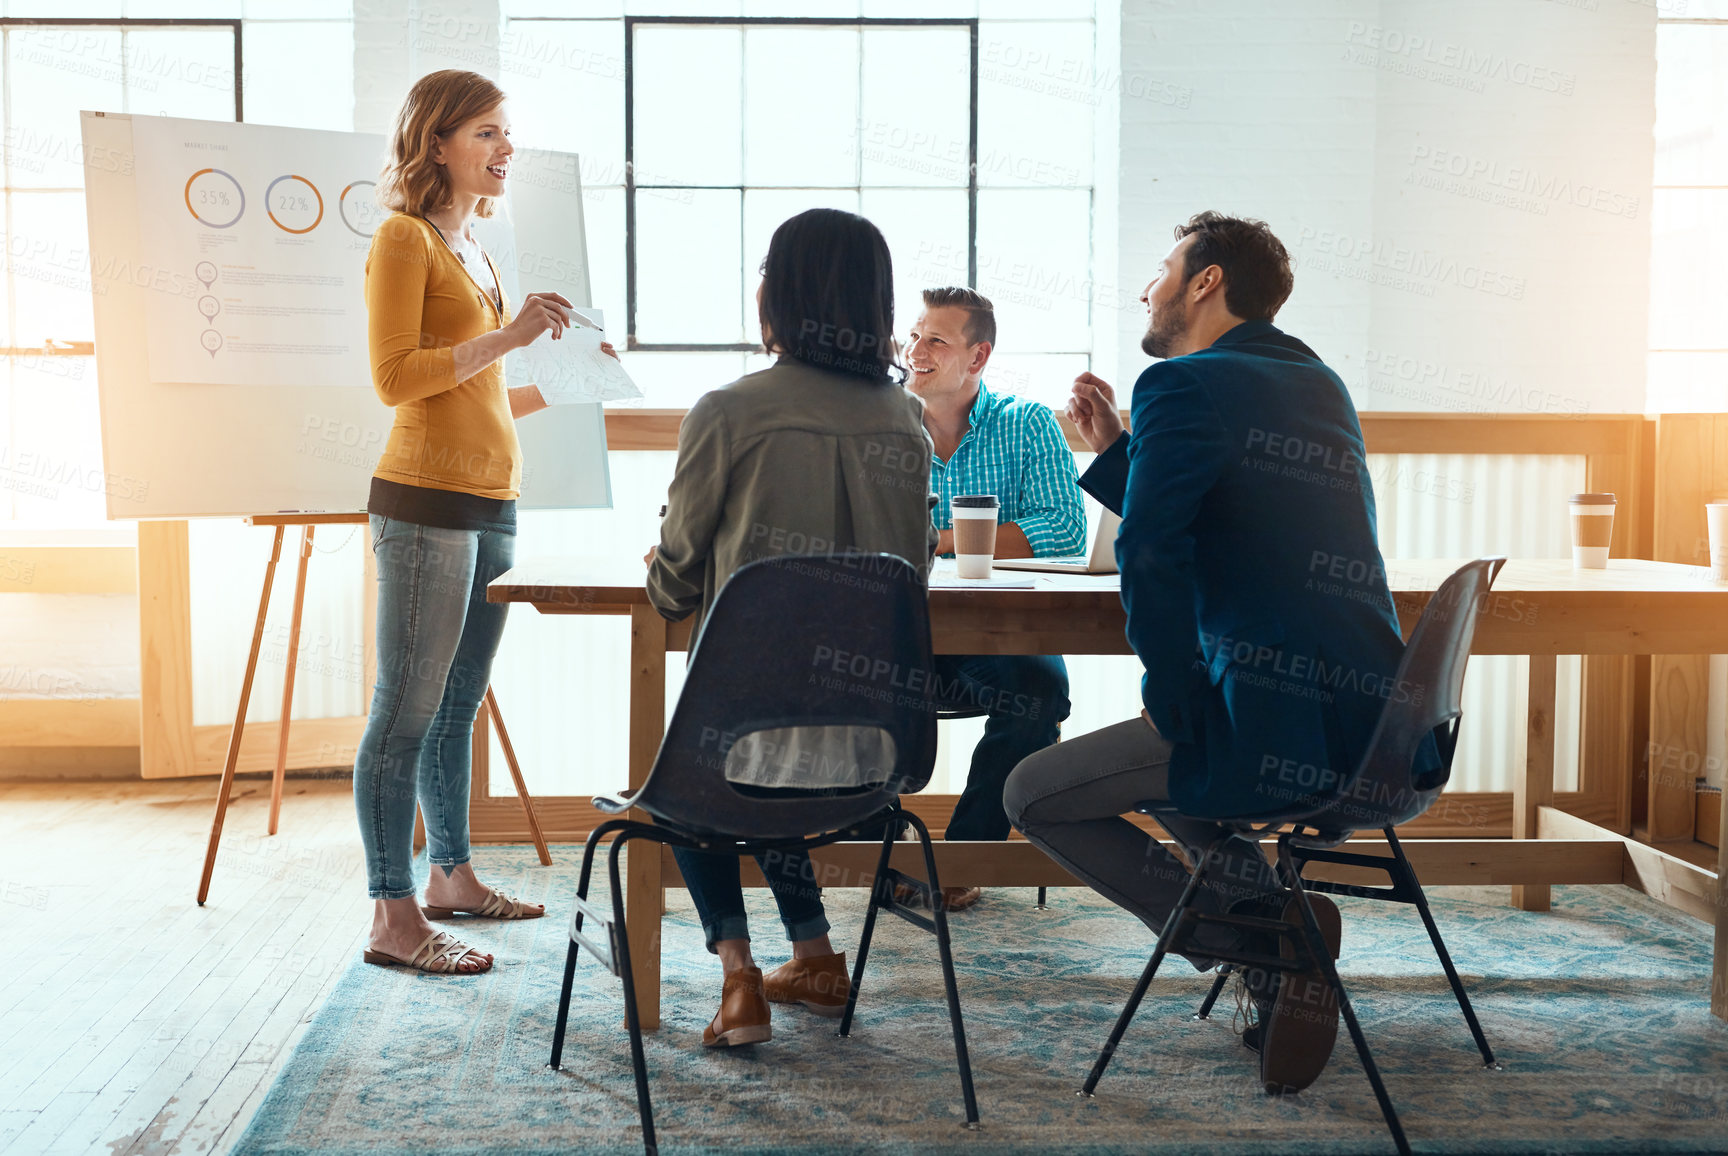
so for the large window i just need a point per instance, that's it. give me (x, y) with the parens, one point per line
(965, 129)
(793, 115)
(51, 474)
(1689, 213)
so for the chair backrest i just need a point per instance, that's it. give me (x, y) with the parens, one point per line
(1426, 699)
(799, 641)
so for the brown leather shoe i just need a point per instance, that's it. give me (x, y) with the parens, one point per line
(1299, 1034)
(819, 983)
(744, 1014)
(960, 898)
(953, 898)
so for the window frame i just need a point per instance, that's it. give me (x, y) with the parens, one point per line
(970, 23)
(7, 24)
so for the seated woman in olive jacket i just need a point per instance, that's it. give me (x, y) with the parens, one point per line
(823, 452)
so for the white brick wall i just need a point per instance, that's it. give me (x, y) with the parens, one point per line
(1464, 185)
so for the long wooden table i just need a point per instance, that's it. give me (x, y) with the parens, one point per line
(1538, 607)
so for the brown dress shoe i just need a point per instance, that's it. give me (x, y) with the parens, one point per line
(1298, 1036)
(819, 983)
(960, 898)
(744, 1014)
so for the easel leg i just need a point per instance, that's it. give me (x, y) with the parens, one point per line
(227, 786)
(288, 678)
(1534, 787)
(644, 893)
(516, 776)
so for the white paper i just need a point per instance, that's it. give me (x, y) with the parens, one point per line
(254, 241)
(944, 577)
(572, 369)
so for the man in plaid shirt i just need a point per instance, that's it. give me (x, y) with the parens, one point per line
(993, 443)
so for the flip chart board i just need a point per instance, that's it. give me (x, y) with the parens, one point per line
(274, 438)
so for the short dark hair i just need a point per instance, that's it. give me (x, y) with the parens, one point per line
(980, 314)
(828, 294)
(1257, 277)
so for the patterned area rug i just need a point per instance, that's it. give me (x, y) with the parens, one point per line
(1598, 1010)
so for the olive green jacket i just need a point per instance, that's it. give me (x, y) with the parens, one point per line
(791, 460)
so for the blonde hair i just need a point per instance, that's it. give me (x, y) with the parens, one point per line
(438, 104)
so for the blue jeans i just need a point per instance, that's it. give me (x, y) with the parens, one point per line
(718, 892)
(1027, 697)
(436, 638)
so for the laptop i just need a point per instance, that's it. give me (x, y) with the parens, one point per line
(1102, 560)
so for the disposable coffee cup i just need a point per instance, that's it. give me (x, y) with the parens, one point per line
(974, 533)
(1716, 515)
(1592, 530)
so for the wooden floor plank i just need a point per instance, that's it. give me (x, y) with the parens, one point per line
(153, 1024)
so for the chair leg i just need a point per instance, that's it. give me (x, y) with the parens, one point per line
(1409, 877)
(631, 1019)
(1205, 1011)
(1041, 905)
(1316, 946)
(1165, 937)
(890, 833)
(940, 914)
(556, 1062)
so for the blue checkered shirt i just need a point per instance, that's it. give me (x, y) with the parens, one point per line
(1016, 451)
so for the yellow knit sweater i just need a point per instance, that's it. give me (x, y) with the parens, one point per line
(420, 302)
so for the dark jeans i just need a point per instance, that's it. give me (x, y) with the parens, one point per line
(1027, 697)
(718, 893)
(1070, 801)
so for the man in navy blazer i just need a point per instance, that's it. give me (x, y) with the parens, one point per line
(1257, 602)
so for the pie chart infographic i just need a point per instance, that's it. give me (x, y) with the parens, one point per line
(261, 233)
(215, 199)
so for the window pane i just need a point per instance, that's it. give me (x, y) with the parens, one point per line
(687, 108)
(1688, 269)
(926, 232)
(687, 266)
(1043, 377)
(676, 380)
(764, 210)
(1037, 94)
(801, 106)
(276, 88)
(53, 462)
(50, 275)
(1688, 383)
(566, 86)
(1691, 92)
(299, 10)
(1035, 264)
(917, 91)
(52, 73)
(189, 72)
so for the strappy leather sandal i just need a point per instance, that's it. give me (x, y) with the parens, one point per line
(497, 906)
(439, 953)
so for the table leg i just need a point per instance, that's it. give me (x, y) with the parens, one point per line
(1719, 966)
(1534, 786)
(644, 893)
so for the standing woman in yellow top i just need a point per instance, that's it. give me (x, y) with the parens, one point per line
(442, 506)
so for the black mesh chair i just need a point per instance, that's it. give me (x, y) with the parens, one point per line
(947, 713)
(1382, 793)
(829, 641)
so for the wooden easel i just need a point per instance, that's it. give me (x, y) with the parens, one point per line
(308, 523)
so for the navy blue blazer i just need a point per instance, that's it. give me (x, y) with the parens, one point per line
(1256, 595)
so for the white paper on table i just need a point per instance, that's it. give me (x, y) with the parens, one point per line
(944, 576)
(572, 369)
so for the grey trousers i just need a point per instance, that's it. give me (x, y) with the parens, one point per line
(1069, 800)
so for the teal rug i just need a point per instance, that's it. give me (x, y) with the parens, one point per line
(1598, 1010)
